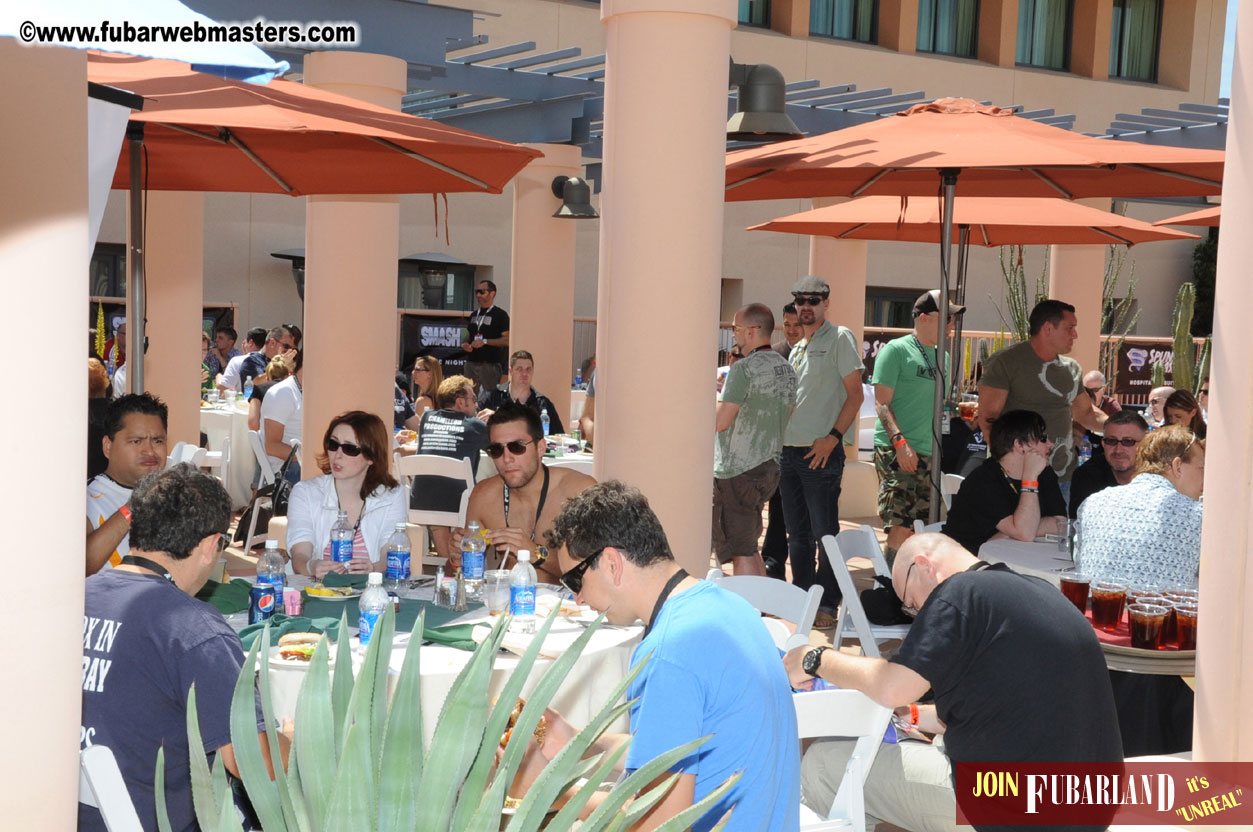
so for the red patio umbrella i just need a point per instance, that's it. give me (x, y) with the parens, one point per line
(1206, 217)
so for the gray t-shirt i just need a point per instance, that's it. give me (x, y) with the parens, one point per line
(1045, 387)
(763, 384)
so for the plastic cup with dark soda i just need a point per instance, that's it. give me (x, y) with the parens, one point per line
(1146, 622)
(1107, 602)
(1075, 587)
(1185, 617)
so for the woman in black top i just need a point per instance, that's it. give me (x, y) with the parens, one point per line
(1015, 493)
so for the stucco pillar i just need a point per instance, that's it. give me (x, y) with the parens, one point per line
(842, 263)
(175, 271)
(43, 252)
(1225, 633)
(1089, 41)
(998, 31)
(352, 244)
(1075, 276)
(541, 293)
(661, 256)
(898, 26)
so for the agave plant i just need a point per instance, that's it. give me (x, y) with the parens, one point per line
(358, 762)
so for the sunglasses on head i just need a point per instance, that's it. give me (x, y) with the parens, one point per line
(808, 300)
(1126, 442)
(517, 447)
(572, 579)
(348, 448)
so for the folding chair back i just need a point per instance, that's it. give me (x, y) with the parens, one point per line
(777, 598)
(849, 714)
(100, 785)
(950, 484)
(416, 465)
(852, 619)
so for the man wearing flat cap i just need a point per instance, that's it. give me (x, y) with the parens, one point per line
(828, 366)
(905, 371)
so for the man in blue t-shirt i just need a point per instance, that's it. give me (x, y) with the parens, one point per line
(714, 670)
(146, 641)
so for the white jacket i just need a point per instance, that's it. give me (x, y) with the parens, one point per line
(314, 507)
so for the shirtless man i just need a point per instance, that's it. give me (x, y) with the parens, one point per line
(535, 492)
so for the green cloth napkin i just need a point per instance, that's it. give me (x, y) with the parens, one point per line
(227, 598)
(338, 579)
(282, 624)
(457, 635)
(436, 617)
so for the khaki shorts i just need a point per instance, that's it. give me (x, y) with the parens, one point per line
(903, 497)
(738, 502)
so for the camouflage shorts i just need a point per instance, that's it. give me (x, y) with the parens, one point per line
(903, 497)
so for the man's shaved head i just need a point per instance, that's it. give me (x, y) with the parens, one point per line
(925, 561)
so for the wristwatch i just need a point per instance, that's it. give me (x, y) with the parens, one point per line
(837, 434)
(813, 661)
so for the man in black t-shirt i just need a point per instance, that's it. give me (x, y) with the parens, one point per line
(1117, 466)
(487, 338)
(521, 371)
(1017, 672)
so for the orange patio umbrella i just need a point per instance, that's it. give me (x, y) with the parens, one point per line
(204, 133)
(1206, 217)
(991, 221)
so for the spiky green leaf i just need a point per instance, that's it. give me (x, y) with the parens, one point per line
(247, 744)
(401, 769)
(574, 806)
(158, 792)
(314, 745)
(684, 820)
(276, 750)
(341, 687)
(204, 798)
(351, 807)
(636, 780)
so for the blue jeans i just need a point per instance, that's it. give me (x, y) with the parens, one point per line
(811, 509)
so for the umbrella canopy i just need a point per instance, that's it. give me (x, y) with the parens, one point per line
(1206, 217)
(996, 152)
(203, 133)
(992, 221)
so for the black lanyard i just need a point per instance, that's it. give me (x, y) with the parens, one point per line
(543, 495)
(674, 581)
(926, 359)
(150, 565)
(339, 505)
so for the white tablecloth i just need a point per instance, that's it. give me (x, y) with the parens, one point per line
(1044, 560)
(220, 422)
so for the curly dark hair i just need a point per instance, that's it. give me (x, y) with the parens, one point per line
(144, 403)
(610, 514)
(173, 510)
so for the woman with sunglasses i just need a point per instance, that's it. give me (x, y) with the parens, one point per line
(1149, 531)
(427, 376)
(1182, 408)
(356, 480)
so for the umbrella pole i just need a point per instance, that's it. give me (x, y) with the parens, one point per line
(956, 352)
(948, 179)
(135, 300)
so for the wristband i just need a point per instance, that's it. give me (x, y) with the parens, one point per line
(837, 434)
(125, 512)
(899, 442)
(1030, 483)
(913, 714)
(1026, 489)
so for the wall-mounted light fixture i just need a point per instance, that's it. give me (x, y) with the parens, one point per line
(760, 114)
(576, 198)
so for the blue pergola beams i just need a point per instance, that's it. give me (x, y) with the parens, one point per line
(492, 54)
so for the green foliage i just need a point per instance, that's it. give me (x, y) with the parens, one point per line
(1117, 318)
(1183, 371)
(1204, 274)
(358, 762)
(1158, 374)
(1018, 300)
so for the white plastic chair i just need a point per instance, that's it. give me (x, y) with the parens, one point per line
(858, 543)
(263, 459)
(220, 460)
(408, 467)
(774, 597)
(926, 528)
(849, 714)
(583, 466)
(950, 484)
(267, 478)
(100, 785)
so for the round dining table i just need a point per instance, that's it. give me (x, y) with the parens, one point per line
(1043, 560)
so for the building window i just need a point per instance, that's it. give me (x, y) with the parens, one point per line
(107, 272)
(845, 19)
(1134, 39)
(948, 27)
(755, 13)
(1044, 33)
(887, 306)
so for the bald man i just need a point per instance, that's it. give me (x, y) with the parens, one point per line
(1017, 672)
(1155, 414)
(1098, 389)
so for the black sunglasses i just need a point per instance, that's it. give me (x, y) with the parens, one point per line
(1126, 442)
(516, 447)
(481, 291)
(224, 540)
(348, 448)
(572, 579)
(808, 300)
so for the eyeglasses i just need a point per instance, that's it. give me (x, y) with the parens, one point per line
(349, 449)
(1204, 391)
(517, 447)
(1092, 391)
(573, 578)
(421, 369)
(481, 291)
(906, 608)
(224, 540)
(808, 300)
(1184, 456)
(738, 328)
(287, 347)
(1126, 442)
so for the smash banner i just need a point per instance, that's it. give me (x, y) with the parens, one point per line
(1169, 793)
(439, 336)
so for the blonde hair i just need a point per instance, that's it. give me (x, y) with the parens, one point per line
(449, 389)
(277, 369)
(1163, 446)
(436, 377)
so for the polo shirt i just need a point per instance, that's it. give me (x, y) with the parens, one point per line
(821, 362)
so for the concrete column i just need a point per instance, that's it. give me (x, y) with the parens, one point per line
(898, 25)
(1089, 42)
(175, 269)
(1075, 276)
(998, 31)
(541, 294)
(842, 263)
(1225, 636)
(352, 244)
(43, 248)
(661, 255)
(790, 17)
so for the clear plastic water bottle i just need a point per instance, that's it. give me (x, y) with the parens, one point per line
(341, 539)
(398, 551)
(1085, 450)
(271, 568)
(473, 552)
(578, 379)
(543, 420)
(522, 594)
(248, 390)
(373, 601)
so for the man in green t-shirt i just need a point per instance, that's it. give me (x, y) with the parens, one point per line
(753, 410)
(904, 391)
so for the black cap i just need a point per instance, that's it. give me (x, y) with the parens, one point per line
(929, 302)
